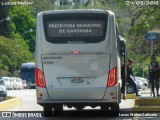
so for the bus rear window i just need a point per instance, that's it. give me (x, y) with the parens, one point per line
(70, 28)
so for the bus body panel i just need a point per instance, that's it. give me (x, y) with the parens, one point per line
(98, 58)
(84, 74)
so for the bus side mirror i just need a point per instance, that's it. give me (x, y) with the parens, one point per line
(122, 48)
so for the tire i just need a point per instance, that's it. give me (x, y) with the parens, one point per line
(47, 111)
(58, 109)
(110, 110)
(104, 108)
(130, 89)
(110, 107)
(115, 109)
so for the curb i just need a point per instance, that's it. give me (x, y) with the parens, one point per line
(131, 96)
(146, 108)
(147, 104)
(10, 103)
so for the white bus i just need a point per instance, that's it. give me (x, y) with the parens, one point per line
(77, 60)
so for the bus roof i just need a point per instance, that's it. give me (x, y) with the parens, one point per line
(76, 11)
(29, 64)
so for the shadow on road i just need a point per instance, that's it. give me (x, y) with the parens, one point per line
(87, 113)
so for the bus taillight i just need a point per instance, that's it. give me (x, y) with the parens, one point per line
(40, 78)
(112, 77)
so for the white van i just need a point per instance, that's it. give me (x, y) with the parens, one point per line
(77, 60)
(19, 83)
(7, 82)
(14, 83)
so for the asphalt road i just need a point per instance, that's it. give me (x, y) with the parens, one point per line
(29, 101)
(29, 104)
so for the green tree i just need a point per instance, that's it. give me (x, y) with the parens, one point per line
(41, 5)
(5, 26)
(22, 22)
(143, 20)
(11, 56)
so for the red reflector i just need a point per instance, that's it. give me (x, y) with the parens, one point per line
(112, 77)
(41, 95)
(111, 93)
(40, 78)
(75, 52)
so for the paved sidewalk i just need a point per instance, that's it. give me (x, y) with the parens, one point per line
(147, 93)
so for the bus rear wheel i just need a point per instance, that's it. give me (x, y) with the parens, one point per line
(58, 109)
(104, 107)
(115, 107)
(47, 111)
(110, 110)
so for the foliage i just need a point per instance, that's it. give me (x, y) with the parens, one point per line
(134, 22)
(10, 57)
(22, 22)
(143, 20)
(5, 28)
(42, 5)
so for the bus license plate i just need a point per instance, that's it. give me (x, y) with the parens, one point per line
(77, 80)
